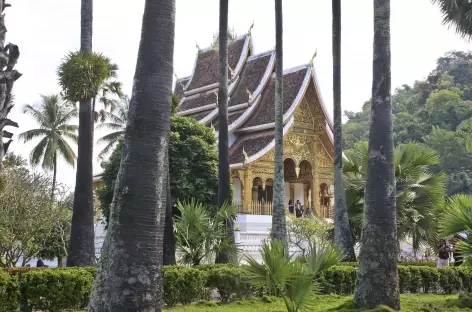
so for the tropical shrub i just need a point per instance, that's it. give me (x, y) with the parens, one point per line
(199, 234)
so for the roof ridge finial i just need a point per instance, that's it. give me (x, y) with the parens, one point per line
(231, 71)
(216, 95)
(249, 95)
(198, 47)
(313, 58)
(250, 28)
(212, 127)
(246, 158)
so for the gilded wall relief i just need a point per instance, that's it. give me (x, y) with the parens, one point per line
(298, 147)
(303, 113)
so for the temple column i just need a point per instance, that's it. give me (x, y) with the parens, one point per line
(247, 190)
(315, 191)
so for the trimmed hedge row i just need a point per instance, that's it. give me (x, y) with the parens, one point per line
(60, 289)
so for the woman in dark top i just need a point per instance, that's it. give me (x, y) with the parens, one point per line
(290, 206)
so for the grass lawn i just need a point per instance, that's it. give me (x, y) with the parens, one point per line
(424, 303)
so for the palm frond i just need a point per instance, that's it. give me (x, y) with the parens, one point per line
(111, 137)
(33, 134)
(66, 151)
(38, 151)
(457, 14)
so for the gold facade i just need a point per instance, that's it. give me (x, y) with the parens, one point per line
(307, 161)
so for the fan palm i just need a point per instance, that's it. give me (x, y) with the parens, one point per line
(199, 235)
(457, 221)
(53, 118)
(419, 192)
(458, 14)
(294, 281)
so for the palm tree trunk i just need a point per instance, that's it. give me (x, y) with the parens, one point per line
(342, 233)
(224, 187)
(377, 276)
(82, 237)
(129, 277)
(279, 227)
(54, 176)
(169, 240)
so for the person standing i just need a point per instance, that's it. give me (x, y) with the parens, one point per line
(290, 206)
(443, 254)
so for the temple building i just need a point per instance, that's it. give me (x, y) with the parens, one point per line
(308, 137)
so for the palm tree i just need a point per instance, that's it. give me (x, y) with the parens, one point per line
(342, 235)
(224, 186)
(419, 192)
(129, 274)
(115, 120)
(53, 118)
(457, 13)
(457, 221)
(377, 277)
(279, 226)
(291, 279)
(86, 77)
(199, 235)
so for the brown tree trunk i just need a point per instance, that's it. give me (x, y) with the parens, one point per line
(377, 275)
(82, 236)
(129, 277)
(279, 226)
(342, 233)
(224, 187)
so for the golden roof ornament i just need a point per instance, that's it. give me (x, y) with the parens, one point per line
(313, 58)
(216, 96)
(212, 128)
(250, 28)
(231, 71)
(249, 96)
(246, 158)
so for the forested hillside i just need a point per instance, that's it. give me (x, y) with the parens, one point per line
(436, 111)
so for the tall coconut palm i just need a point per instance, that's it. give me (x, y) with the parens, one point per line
(279, 226)
(458, 14)
(342, 235)
(129, 276)
(224, 186)
(377, 276)
(53, 118)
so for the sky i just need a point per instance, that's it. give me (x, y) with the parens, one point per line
(45, 31)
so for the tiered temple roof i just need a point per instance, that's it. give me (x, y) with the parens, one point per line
(251, 92)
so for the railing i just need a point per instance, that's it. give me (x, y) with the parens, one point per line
(256, 208)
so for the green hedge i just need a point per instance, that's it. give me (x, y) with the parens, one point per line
(61, 289)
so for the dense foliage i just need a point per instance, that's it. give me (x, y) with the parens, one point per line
(200, 234)
(61, 289)
(435, 111)
(30, 222)
(420, 193)
(193, 164)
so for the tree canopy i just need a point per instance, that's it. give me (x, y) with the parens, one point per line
(436, 111)
(193, 165)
